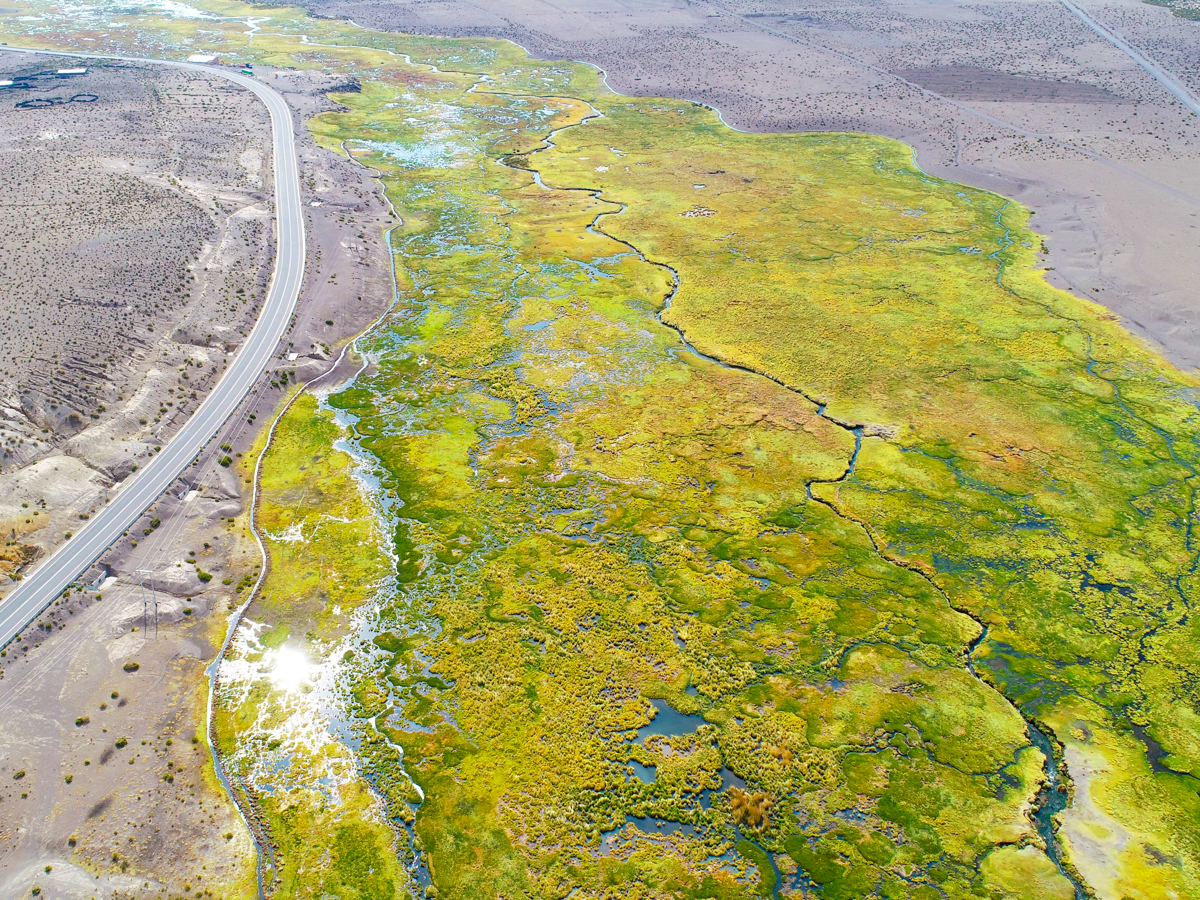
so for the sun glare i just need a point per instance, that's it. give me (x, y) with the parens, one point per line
(289, 669)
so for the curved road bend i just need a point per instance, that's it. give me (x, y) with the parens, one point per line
(41, 587)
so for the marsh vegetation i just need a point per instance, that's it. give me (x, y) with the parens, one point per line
(811, 545)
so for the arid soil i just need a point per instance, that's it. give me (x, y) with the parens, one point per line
(136, 253)
(1018, 96)
(149, 818)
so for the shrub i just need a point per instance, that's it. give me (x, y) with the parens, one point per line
(131, 666)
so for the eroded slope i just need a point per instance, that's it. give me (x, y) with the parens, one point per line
(136, 251)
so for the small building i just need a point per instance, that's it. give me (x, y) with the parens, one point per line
(6, 83)
(94, 576)
(202, 58)
(68, 72)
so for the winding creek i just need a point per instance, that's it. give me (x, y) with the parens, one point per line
(985, 656)
(1050, 800)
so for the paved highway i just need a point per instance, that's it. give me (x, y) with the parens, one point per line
(1171, 83)
(139, 490)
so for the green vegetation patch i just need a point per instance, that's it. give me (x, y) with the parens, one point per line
(738, 507)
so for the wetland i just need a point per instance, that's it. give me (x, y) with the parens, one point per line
(714, 515)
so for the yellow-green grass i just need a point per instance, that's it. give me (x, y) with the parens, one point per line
(692, 478)
(327, 557)
(586, 516)
(325, 548)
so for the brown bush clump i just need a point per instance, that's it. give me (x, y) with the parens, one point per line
(750, 809)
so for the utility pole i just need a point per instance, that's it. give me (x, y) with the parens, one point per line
(149, 602)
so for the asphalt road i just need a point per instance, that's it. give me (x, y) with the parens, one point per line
(142, 488)
(1169, 82)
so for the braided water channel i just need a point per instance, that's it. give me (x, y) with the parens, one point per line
(1048, 802)
(1053, 797)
